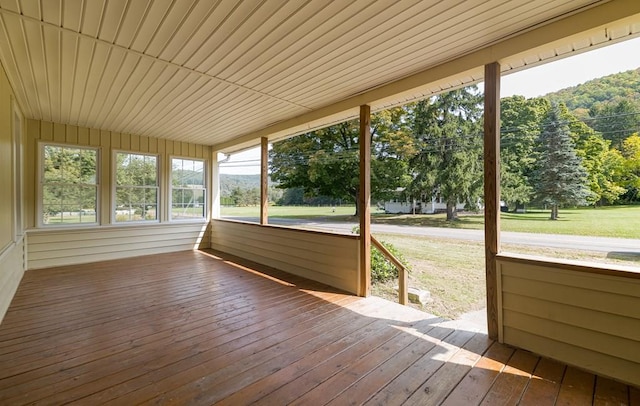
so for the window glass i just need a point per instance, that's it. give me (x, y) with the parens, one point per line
(136, 192)
(69, 187)
(188, 190)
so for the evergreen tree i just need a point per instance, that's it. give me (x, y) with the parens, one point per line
(520, 128)
(448, 140)
(561, 178)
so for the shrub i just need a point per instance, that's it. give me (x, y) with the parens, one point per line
(382, 269)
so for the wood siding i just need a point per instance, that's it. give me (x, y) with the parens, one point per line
(587, 319)
(11, 272)
(328, 258)
(49, 246)
(11, 233)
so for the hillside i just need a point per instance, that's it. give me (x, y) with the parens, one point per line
(607, 89)
(243, 182)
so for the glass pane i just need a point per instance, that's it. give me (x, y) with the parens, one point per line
(187, 173)
(136, 170)
(187, 203)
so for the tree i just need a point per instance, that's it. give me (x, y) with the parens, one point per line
(631, 164)
(448, 140)
(561, 178)
(520, 121)
(69, 181)
(594, 152)
(325, 162)
(616, 121)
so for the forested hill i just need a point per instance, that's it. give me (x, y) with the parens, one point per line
(243, 182)
(608, 89)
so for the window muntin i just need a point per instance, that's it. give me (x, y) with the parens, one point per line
(188, 191)
(136, 187)
(69, 185)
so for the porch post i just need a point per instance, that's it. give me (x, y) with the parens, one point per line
(264, 180)
(214, 187)
(364, 197)
(492, 190)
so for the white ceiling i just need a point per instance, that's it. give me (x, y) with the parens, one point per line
(226, 72)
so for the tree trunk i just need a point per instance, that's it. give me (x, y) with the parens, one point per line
(451, 212)
(554, 212)
(356, 195)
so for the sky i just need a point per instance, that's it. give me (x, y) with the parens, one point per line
(532, 82)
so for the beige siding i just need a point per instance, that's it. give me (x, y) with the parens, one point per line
(11, 271)
(47, 248)
(11, 239)
(7, 174)
(64, 246)
(323, 257)
(584, 317)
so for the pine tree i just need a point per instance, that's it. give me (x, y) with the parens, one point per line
(561, 178)
(448, 141)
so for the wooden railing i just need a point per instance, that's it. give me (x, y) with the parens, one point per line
(403, 282)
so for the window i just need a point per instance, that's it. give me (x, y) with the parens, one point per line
(187, 189)
(136, 190)
(69, 188)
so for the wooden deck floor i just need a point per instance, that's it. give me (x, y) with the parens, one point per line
(189, 328)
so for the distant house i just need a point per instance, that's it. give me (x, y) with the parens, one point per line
(423, 206)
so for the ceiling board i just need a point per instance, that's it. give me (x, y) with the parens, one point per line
(230, 71)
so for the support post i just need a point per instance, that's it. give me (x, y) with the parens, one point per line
(364, 197)
(214, 187)
(264, 180)
(492, 190)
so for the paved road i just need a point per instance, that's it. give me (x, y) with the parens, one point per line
(600, 244)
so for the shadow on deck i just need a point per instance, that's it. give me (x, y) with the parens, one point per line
(196, 328)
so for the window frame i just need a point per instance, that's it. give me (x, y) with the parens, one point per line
(114, 188)
(40, 190)
(171, 188)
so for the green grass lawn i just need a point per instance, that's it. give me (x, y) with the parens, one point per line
(453, 270)
(302, 212)
(614, 221)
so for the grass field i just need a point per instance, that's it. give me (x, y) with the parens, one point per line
(614, 221)
(304, 212)
(453, 270)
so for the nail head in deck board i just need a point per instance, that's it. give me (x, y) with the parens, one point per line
(475, 385)
(413, 377)
(360, 368)
(511, 383)
(544, 385)
(360, 391)
(610, 392)
(445, 379)
(267, 385)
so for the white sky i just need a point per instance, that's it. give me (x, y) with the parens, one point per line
(531, 82)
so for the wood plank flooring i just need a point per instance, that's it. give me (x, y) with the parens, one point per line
(192, 328)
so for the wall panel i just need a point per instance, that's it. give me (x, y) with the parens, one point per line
(58, 247)
(323, 257)
(11, 205)
(582, 316)
(11, 271)
(64, 246)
